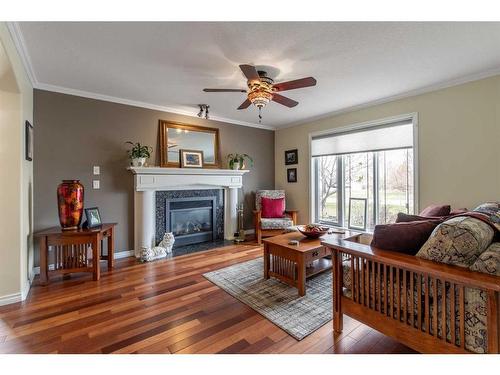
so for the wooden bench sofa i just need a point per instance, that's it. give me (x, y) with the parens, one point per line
(411, 299)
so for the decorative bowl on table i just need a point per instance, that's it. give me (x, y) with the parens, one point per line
(312, 230)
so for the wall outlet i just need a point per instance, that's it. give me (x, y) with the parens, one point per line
(97, 170)
(96, 184)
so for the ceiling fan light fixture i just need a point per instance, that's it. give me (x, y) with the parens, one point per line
(260, 98)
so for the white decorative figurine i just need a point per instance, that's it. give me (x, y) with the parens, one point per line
(163, 249)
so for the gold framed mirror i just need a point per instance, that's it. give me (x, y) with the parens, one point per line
(175, 136)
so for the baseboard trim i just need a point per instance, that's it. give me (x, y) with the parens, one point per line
(119, 255)
(124, 254)
(27, 287)
(10, 298)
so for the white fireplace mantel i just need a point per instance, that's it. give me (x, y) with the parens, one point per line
(148, 180)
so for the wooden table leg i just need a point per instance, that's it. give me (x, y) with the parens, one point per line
(267, 259)
(44, 266)
(337, 292)
(96, 253)
(301, 277)
(111, 249)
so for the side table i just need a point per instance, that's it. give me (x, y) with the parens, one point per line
(78, 250)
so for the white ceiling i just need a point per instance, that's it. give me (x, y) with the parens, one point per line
(166, 65)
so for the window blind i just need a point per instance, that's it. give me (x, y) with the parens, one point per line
(378, 138)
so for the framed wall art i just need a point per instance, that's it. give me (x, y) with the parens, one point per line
(291, 157)
(291, 174)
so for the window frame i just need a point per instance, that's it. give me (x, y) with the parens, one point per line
(313, 167)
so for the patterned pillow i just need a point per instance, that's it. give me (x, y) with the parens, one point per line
(489, 260)
(492, 210)
(458, 241)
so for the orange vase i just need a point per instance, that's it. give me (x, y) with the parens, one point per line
(70, 203)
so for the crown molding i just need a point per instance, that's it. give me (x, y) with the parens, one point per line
(19, 43)
(136, 103)
(407, 94)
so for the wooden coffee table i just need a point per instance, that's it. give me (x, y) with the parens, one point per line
(293, 264)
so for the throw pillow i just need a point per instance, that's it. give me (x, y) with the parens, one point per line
(458, 241)
(489, 260)
(406, 237)
(272, 208)
(492, 210)
(436, 210)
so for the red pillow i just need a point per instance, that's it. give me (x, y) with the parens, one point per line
(272, 208)
(405, 238)
(436, 210)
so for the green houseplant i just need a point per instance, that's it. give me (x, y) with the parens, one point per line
(237, 161)
(139, 153)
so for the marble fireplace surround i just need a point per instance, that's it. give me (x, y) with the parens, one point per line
(148, 180)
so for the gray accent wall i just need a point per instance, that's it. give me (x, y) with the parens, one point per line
(72, 134)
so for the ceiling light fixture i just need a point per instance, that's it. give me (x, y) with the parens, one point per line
(203, 108)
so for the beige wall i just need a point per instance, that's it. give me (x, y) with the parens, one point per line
(75, 133)
(16, 173)
(459, 133)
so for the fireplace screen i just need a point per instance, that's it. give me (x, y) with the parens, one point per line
(191, 220)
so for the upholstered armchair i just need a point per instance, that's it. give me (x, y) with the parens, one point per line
(271, 226)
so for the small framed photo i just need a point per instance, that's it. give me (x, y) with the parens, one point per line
(291, 157)
(191, 158)
(357, 213)
(93, 217)
(291, 174)
(28, 141)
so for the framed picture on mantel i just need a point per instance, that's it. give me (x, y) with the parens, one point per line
(191, 158)
(175, 136)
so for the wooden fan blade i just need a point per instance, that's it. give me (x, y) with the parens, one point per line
(245, 104)
(250, 72)
(296, 84)
(224, 90)
(284, 100)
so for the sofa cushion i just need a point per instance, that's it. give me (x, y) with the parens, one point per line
(404, 218)
(489, 260)
(406, 237)
(436, 210)
(458, 241)
(273, 208)
(281, 223)
(458, 211)
(492, 210)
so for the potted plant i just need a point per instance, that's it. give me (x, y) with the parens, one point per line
(139, 153)
(237, 161)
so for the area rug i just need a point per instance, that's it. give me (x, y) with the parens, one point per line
(278, 302)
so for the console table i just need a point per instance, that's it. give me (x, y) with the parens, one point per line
(78, 250)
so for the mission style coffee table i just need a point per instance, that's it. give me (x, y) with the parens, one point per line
(293, 264)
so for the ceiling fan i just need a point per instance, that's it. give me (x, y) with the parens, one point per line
(262, 89)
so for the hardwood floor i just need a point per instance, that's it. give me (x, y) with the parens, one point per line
(163, 307)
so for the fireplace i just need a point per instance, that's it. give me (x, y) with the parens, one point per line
(153, 185)
(191, 220)
(193, 216)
